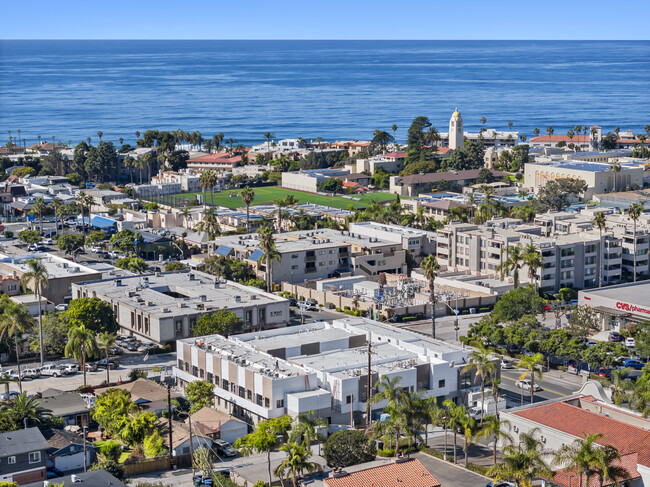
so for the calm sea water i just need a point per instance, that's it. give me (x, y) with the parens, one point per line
(332, 89)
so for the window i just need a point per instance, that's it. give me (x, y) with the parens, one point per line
(35, 457)
(441, 383)
(11, 460)
(258, 399)
(180, 364)
(210, 377)
(249, 394)
(225, 384)
(217, 381)
(242, 392)
(321, 264)
(279, 403)
(267, 402)
(348, 399)
(294, 267)
(294, 256)
(195, 371)
(201, 373)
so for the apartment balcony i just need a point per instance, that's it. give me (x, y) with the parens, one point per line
(310, 259)
(310, 270)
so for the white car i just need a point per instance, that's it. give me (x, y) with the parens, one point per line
(525, 384)
(95, 249)
(47, 241)
(61, 307)
(70, 369)
(629, 342)
(506, 364)
(52, 370)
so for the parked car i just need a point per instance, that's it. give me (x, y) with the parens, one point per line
(615, 336)
(307, 306)
(132, 346)
(506, 364)
(116, 351)
(31, 374)
(36, 247)
(526, 384)
(603, 372)
(52, 370)
(90, 367)
(9, 395)
(70, 369)
(224, 448)
(95, 249)
(633, 364)
(573, 302)
(61, 307)
(102, 363)
(500, 483)
(629, 342)
(47, 241)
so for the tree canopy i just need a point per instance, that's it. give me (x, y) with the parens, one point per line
(200, 393)
(94, 313)
(223, 322)
(348, 447)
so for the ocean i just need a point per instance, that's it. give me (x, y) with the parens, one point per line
(332, 89)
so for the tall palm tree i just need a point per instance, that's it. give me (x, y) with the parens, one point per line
(615, 167)
(306, 427)
(524, 462)
(129, 164)
(581, 456)
(58, 207)
(209, 223)
(455, 420)
(268, 136)
(635, 211)
(494, 428)
(267, 245)
(533, 260)
(389, 390)
(512, 264)
(608, 465)
(600, 222)
(105, 341)
(205, 180)
(247, 196)
(481, 362)
(296, 462)
(394, 129)
(533, 366)
(14, 320)
(36, 277)
(37, 209)
(431, 414)
(468, 428)
(430, 268)
(85, 201)
(280, 203)
(81, 344)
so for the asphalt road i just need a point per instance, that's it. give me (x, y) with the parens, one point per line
(554, 385)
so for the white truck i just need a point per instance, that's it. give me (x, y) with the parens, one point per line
(488, 408)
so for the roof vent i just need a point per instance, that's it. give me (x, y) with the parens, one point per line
(190, 276)
(203, 298)
(237, 299)
(118, 282)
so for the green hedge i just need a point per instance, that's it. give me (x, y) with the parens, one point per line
(386, 452)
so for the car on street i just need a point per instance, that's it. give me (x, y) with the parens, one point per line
(47, 241)
(95, 249)
(90, 367)
(573, 302)
(633, 364)
(629, 342)
(61, 307)
(52, 370)
(36, 247)
(102, 363)
(500, 483)
(614, 336)
(31, 374)
(307, 306)
(507, 364)
(526, 384)
(9, 395)
(224, 448)
(70, 369)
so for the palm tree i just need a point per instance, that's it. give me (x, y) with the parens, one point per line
(600, 221)
(536, 131)
(484, 365)
(14, 320)
(280, 203)
(36, 278)
(605, 465)
(129, 163)
(37, 209)
(105, 341)
(247, 196)
(296, 463)
(267, 245)
(455, 420)
(431, 414)
(85, 201)
(99, 134)
(512, 264)
(533, 366)
(307, 426)
(533, 260)
(581, 456)
(615, 167)
(550, 130)
(57, 206)
(494, 428)
(389, 390)
(211, 181)
(483, 120)
(635, 211)
(204, 181)
(209, 223)
(268, 136)
(26, 408)
(524, 462)
(394, 129)
(468, 427)
(619, 385)
(509, 125)
(523, 137)
(430, 268)
(81, 344)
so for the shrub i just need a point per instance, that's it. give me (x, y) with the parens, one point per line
(153, 445)
(386, 452)
(114, 468)
(111, 450)
(261, 483)
(479, 469)
(8, 234)
(348, 447)
(338, 309)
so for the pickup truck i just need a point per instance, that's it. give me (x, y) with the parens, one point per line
(52, 370)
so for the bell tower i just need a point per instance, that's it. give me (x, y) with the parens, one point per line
(456, 133)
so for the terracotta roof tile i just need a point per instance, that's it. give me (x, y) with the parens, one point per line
(565, 478)
(560, 138)
(408, 473)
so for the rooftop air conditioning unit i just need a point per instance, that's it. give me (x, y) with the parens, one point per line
(203, 298)
(237, 299)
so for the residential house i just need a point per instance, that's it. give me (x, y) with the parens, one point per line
(67, 450)
(403, 472)
(69, 406)
(218, 425)
(23, 454)
(94, 478)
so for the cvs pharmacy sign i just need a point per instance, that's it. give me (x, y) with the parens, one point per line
(632, 308)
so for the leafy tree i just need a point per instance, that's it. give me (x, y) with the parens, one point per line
(583, 321)
(55, 334)
(200, 393)
(111, 450)
(416, 139)
(81, 345)
(93, 313)
(112, 409)
(609, 142)
(471, 156)
(223, 322)
(9, 484)
(517, 303)
(69, 242)
(557, 194)
(137, 428)
(175, 266)
(30, 236)
(230, 269)
(74, 178)
(381, 138)
(112, 467)
(604, 354)
(153, 445)
(641, 334)
(124, 240)
(296, 462)
(485, 176)
(95, 237)
(348, 447)
(264, 439)
(23, 171)
(133, 264)
(331, 185)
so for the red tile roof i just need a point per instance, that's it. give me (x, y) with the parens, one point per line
(565, 478)
(219, 158)
(561, 416)
(408, 473)
(395, 155)
(560, 138)
(444, 150)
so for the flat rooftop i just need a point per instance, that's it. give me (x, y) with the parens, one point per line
(57, 267)
(318, 332)
(396, 229)
(633, 292)
(177, 293)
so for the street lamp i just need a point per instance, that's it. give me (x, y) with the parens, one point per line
(455, 311)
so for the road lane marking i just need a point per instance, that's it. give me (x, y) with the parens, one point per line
(543, 389)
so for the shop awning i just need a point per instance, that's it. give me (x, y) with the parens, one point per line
(610, 311)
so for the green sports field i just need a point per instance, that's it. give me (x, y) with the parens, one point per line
(268, 194)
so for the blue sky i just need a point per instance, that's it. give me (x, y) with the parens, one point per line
(324, 19)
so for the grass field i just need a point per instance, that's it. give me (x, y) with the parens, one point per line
(268, 194)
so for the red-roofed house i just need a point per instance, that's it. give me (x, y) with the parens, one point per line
(407, 472)
(221, 161)
(589, 142)
(561, 422)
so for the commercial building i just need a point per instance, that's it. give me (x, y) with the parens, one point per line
(562, 421)
(618, 306)
(389, 162)
(419, 243)
(599, 176)
(315, 254)
(416, 184)
(163, 307)
(308, 180)
(320, 367)
(62, 273)
(222, 161)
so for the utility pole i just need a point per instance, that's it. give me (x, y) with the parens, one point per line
(369, 393)
(85, 456)
(352, 410)
(191, 445)
(169, 422)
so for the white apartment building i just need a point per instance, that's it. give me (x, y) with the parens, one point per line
(308, 180)
(389, 162)
(164, 307)
(188, 179)
(320, 367)
(316, 254)
(419, 243)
